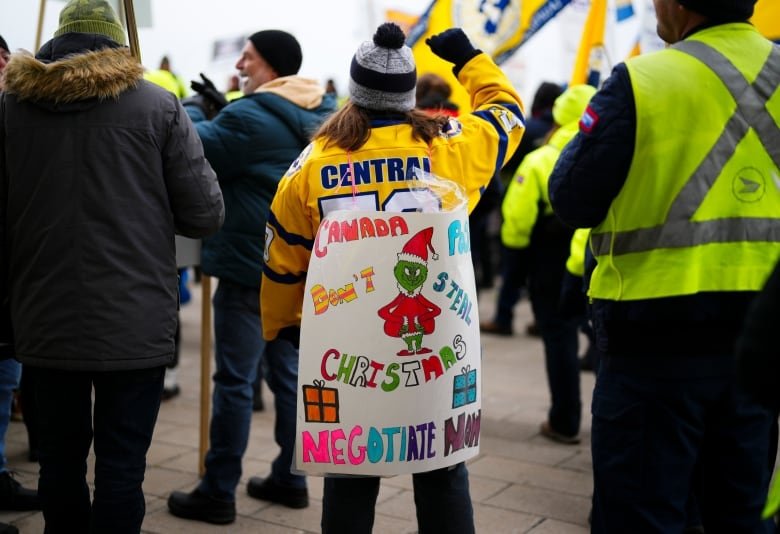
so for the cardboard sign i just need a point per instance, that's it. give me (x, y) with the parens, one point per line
(389, 372)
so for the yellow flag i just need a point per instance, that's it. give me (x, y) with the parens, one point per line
(404, 20)
(766, 18)
(587, 66)
(497, 27)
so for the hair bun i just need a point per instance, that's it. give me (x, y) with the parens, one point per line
(389, 35)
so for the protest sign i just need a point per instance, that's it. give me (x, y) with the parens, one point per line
(389, 374)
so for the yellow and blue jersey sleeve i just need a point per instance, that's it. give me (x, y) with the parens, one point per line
(288, 245)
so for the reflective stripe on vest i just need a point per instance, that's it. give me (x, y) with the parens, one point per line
(679, 230)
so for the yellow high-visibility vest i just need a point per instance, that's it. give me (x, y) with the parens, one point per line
(700, 207)
(527, 192)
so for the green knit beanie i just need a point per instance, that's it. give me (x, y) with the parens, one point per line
(91, 16)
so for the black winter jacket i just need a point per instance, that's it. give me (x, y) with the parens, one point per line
(101, 170)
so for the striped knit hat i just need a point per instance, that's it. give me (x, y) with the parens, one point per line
(91, 16)
(383, 75)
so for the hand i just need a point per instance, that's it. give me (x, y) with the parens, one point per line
(209, 92)
(452, 45)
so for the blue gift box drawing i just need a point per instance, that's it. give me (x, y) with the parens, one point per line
(464, 388)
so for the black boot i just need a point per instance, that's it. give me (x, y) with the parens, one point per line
(201, 507)
(268, 490)
(13, 496)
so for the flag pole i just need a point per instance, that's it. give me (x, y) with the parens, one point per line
(132, 30)
(39, 31)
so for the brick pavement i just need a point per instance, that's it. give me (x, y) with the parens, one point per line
(520, 482)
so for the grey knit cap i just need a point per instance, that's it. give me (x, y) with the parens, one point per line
(383, 75)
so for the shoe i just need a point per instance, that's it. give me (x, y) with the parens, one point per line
(547, 431)
(170, 392)
(201, 507)
(14, 496)
(493, 327)
(5, 528)
(268, 490)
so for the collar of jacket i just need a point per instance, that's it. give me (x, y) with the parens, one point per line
(72, 68)
(381, 118)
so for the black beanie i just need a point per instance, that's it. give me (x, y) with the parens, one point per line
(279, 49)
(3, 44)
(722, 10)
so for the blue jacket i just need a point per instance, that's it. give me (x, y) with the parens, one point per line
(250, 144)
(587, 177)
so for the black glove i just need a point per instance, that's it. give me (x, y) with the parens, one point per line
(209, 92)
(454, 46)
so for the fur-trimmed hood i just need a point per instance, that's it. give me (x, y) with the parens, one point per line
(82, 76)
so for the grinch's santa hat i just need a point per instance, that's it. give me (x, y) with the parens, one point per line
(416, 249)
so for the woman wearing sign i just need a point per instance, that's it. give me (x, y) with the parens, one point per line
(379, 137)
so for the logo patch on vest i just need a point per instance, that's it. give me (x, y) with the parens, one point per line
(748, 185)
(588, 120)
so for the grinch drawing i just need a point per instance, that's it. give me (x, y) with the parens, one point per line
(410, 315)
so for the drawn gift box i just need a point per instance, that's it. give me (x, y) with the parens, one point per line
(464, 388)
(320, 403)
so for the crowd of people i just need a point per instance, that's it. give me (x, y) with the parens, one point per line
(645, 213)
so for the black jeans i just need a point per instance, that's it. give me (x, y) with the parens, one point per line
(441, 498)
(125, 412)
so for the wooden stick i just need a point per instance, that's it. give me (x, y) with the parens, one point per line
(132, 30)
(205, 370)
(39, 32)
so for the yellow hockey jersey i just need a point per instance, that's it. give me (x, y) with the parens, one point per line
(469, 150)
